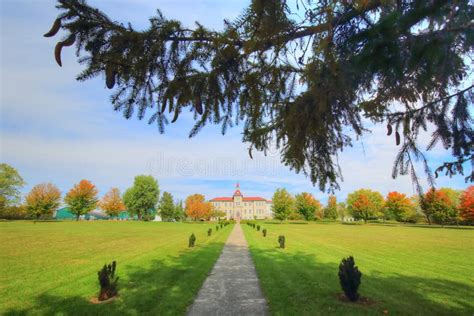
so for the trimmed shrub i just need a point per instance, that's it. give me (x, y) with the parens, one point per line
(258, 227)
(217, 227)
(209, 232)
(108, 282)
(281, 241)
(264, 232)
(192, 241)
(349, 277)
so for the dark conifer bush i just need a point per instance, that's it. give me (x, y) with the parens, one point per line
(281, 241)
(349, 277)
(192, 240)
(258, 227)
(209, 232)
(264, 232)
(217, 227)
(108, 282)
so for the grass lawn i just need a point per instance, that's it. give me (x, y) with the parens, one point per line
(51, 268)
(406, 270)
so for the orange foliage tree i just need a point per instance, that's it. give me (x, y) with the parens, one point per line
(466, 205)
(43, 200)
(197, 207)
(82, 198)
(400, 206)
(112, 202)
(365, 204)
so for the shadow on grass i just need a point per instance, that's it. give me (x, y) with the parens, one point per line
(165, 287)
(299, 284)
(421, 226)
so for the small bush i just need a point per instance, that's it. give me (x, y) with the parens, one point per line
(108, 282)
(192, 240)
(281, 241)
(264, 232)
(217, 227)
(209, 232)
(349, 277)
(258, 227)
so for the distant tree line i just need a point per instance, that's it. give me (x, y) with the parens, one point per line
(444, 206)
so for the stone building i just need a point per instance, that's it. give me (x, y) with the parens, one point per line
(243, 207)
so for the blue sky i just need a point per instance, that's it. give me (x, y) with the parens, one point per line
(55, 129)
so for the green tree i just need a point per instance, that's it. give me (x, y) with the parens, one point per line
(307, 205)
(341, 210)
(141, 199)
(304, 77)
(330, 211)
(282, 204)
(455, 197)
(10, 184)
(82, 198)
(43, 200)
(364, 204)
(167, 207)
(218, 214)
(179, 214)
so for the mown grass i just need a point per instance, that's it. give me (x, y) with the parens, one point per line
(406, 270)
(51, 268)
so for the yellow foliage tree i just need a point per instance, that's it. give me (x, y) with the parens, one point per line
(112, 202)
(197, 208)
(43, 200)
(82, 198)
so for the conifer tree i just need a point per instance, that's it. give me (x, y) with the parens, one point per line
(305, 76)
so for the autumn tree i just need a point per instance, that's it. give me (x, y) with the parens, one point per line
(466, 205)
(141, 199)
(43, 200)
(282, 204)
(364, 204)
(330, 211)
(438, 207)
(112, 203)
(82, 198)
(197, 208)
(309, 77)
(167, 207)
(399, 206)
(10, 184)
(307, 205)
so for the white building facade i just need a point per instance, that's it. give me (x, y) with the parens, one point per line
(242, 207)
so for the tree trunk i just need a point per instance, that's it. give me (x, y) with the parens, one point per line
(77, 217)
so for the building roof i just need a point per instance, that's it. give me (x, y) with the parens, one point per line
(222, 199)
(238, 193)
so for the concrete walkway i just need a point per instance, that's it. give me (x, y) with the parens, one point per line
(232, 288)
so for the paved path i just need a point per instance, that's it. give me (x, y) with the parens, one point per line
(232, 288)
